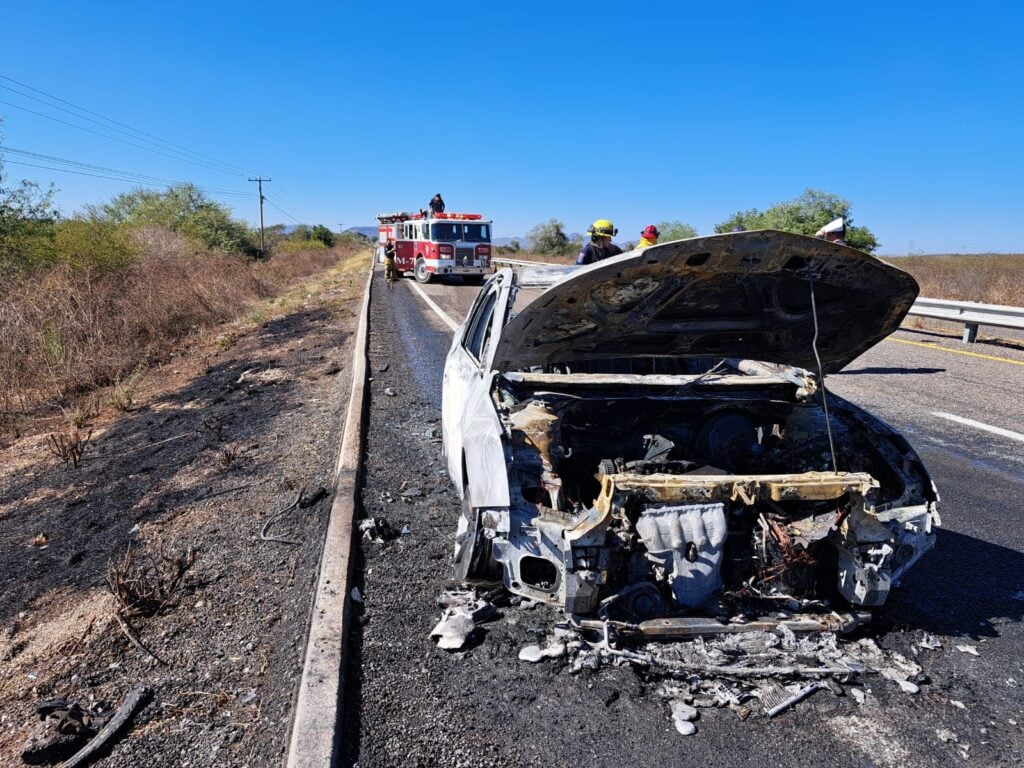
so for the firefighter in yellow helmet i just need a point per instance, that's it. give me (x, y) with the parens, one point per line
(600, 246)
(648, 237)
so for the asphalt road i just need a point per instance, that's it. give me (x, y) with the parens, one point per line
(948, 400)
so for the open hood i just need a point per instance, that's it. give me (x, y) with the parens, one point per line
(742, 295)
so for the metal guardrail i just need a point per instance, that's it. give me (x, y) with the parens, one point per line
(520, 262)
(970, 313)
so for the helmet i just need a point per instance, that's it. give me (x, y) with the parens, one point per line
(836, 227)
(602, 228)
(650, 232)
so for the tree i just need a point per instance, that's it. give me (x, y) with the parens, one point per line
(184, 209)
(550, 238)
(674, 230)
(27, 219)
(804, 215)
(323, 234)
(514, 246)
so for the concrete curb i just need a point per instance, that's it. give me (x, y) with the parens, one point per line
(314, 739)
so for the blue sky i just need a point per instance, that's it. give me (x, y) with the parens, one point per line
(638, 112)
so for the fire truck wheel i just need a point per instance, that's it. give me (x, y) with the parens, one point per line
(422, 276)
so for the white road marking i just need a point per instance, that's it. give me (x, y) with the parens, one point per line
(437, 310)
(979, 425)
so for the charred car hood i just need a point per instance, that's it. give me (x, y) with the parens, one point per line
(742, 295)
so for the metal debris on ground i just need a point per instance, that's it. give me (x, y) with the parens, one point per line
(301, 500)
(929, 642)
(969, 649)
(389, 391)
(463, 611)
(377, 529)
(775, 667)
(795, 696)
(266, 376)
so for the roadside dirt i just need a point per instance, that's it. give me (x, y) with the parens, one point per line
(218, 441)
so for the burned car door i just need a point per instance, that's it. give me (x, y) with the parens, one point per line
(467, 368)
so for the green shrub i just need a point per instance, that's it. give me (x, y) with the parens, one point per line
(90, 244)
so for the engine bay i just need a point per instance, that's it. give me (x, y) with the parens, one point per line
(670, 498)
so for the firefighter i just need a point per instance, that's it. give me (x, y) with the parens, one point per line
(648, 237)
(600, 246)
(833, 232)
(389, 260)
(436, 204)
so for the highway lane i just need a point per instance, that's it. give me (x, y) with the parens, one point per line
(969, 590)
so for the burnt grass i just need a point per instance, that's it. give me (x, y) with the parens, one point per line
(202, 462)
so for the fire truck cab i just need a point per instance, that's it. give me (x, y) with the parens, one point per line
(438, 245)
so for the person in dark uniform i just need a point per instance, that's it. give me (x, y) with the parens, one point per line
(436, 204)
(600, 246)
(389, 260)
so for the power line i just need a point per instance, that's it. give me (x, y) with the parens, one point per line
(282, 210)
(116, 178)
(128, 175)
(115, 138)
(111, 120)
(298, 206)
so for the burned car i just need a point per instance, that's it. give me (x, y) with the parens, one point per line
(652, 431)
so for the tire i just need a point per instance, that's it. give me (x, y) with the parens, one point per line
(422, 276)
(473, 279)
(473, 559)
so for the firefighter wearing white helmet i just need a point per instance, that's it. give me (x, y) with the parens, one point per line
(600, 246)
(833, 232)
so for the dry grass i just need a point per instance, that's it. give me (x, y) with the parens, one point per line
(64, 332)
(989, 278)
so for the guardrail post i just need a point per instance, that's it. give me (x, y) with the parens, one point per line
(970, 333)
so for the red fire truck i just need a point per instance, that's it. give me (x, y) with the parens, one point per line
(438, 245)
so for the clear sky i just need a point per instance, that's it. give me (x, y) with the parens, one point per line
(638, 112)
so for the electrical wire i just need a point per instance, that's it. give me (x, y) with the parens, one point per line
(279, 208)
(120, 178)
(112, 121)
(177, 157)
(127, 175)
(821, 371)
(296, 204)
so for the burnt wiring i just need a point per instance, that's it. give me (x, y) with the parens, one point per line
(821, 372)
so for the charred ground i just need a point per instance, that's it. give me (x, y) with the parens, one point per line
(220, 439)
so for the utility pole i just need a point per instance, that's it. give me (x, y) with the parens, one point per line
(259, 180)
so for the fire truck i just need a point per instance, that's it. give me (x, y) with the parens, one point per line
(436, 245)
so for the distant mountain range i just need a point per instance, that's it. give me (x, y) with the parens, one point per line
(370, 232)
